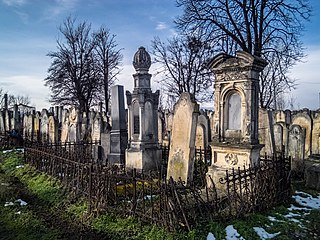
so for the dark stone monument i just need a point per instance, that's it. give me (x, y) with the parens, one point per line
(118, 133)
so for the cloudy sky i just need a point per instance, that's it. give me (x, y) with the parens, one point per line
(29, 30)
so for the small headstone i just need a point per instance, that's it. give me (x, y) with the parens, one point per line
(296, 143)
(278, 137)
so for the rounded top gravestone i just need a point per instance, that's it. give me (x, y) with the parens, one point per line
(141, 60)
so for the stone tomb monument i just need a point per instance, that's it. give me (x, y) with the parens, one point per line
(144, 151)
(182, 146)
(235, 137)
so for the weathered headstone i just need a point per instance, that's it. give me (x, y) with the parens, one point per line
(278, 137)
(182, 146)
(52, 130)
(303, 119)
(65, 126)
(44, 125)
(96, 128)
(296, 146)
(74, 125)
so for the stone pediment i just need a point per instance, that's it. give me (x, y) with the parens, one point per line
(242, 61)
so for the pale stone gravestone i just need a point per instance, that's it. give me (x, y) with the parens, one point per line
(96, 128)
(278, 137)
(296, 147)
(30, 127)
(316, 133)
(2, 127)
(203, 131)
(303, 119)
(44, 125)
(36, 126)
(7, 120)
(74, 126)
(52, 130)
(25, 126)
(182, 147)
(65, 126)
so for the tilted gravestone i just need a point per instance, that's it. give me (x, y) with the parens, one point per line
(182, 147)
(65, 126)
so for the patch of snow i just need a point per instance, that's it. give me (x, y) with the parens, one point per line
(211, 236)
(5, 184)
(8, 204)
(19, 166)
(306, 200)
(20, 150)
(295, 208)
(18, 212)
(22, 203)
(7, 151)
(263, 234)
(232, 233)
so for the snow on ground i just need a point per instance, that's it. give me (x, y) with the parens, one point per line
(20, 201)
(232, 233)
(210, 236)
(19, 166)
(306, 200)
(263, 234)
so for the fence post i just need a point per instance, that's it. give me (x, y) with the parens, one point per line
(90, 188)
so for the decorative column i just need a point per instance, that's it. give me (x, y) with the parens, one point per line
(143, 150)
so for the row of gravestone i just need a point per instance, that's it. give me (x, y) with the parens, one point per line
(56, 125)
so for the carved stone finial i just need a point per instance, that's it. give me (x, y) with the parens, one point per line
(141, 60)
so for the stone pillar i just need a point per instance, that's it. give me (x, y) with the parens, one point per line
(118, 133)
(144, 151)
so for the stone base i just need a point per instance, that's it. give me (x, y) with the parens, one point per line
(214, 175)
(226, 155)
(116, 159)
(144, 158)
(312, 174)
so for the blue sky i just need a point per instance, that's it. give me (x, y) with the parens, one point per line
(29, 30)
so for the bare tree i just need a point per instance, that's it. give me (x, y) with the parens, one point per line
(265, 28)
(108, 60)
(72, 75)
(12, 99)
(182, 64)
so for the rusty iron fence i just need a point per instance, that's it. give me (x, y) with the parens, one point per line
(155, 198)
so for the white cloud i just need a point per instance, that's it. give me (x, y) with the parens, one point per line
(14, 2)
(161, 26)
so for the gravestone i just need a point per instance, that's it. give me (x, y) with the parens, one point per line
(278, 137)
(182, 146)
(65, 126)
(36, 126)
(303, 119)
(143, 152)
(44, 125)
(2, 125)
(30, 127)
(118, 133)
(316, 133)
(296, 141)
(52, 130)
(235, 140)
(74, 129)
(96, 128)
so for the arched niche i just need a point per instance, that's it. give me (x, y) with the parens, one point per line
(149, 120)
(232, 114)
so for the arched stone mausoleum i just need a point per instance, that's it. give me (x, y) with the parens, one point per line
(235, 139)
